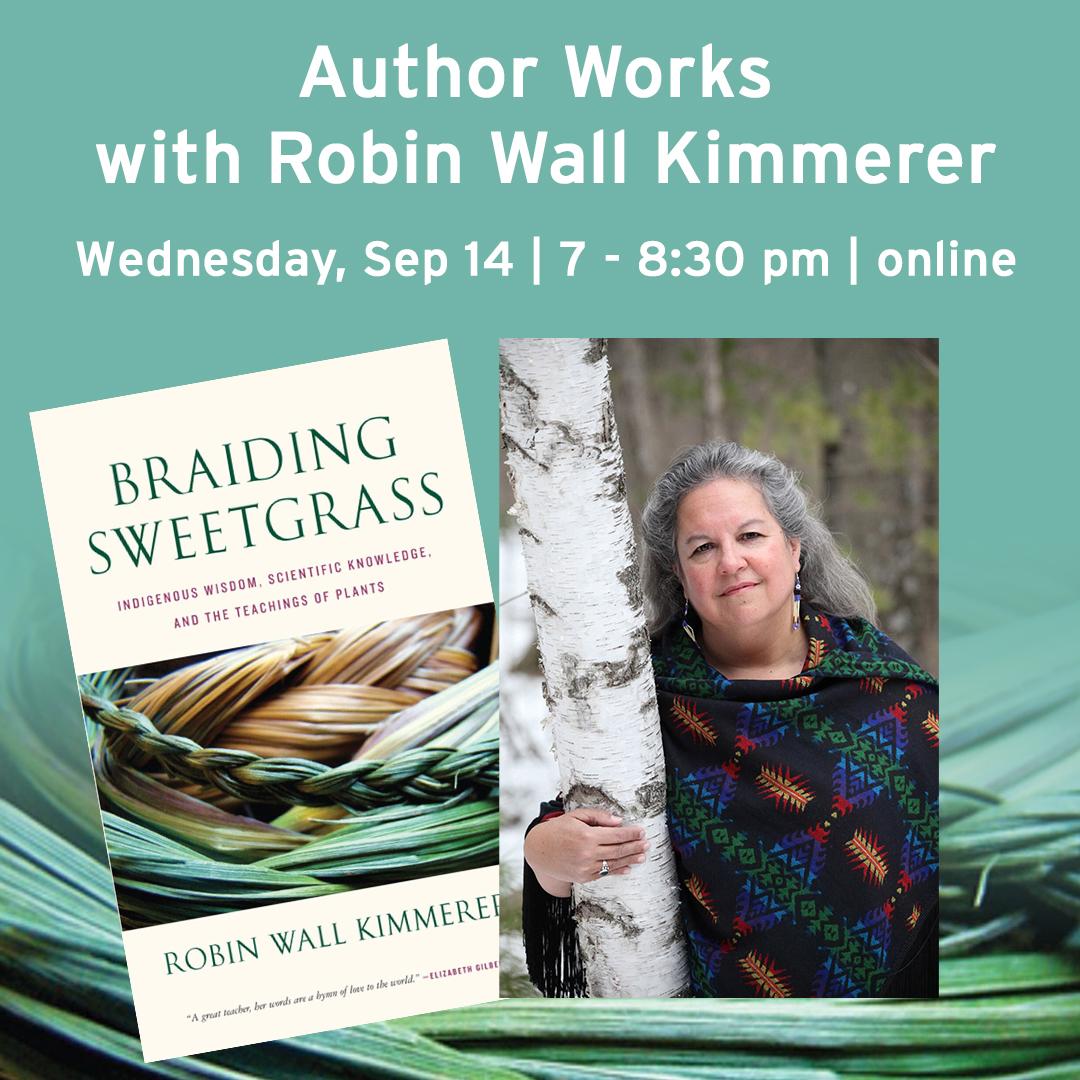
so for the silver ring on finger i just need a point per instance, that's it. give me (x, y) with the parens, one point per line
(604, 869)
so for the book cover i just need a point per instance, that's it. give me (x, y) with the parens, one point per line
(280, 615)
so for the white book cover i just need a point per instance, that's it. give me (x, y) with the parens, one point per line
(280, 614)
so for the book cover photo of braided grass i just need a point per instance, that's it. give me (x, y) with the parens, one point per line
(279, 606)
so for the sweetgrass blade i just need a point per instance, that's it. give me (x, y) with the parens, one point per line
(62, 970)
(1010, 843)
(159, 879)
(395, 843)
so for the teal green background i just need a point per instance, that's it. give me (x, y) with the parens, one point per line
(77, 75)
(920, 73)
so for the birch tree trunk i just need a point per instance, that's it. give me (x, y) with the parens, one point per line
(565, 463)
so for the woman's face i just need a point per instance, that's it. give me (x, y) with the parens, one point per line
(736, 566)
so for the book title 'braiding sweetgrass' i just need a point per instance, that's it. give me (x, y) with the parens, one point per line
(280, 612)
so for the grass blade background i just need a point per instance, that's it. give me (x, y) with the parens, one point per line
(1010, 1002)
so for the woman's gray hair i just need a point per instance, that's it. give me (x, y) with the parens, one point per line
(830, 581)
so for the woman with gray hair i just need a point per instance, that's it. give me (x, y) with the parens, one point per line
(800, 745)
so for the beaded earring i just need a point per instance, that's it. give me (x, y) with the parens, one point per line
(797, 602)
(686, 624)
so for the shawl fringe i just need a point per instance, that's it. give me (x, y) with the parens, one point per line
(549, 934)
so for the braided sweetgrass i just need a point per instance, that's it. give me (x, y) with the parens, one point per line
(422, 774)
(294, 768)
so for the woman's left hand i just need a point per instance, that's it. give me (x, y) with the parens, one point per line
(578, 845)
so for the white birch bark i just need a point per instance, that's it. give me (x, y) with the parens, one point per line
(565, 463)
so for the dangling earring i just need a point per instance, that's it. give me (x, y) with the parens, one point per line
(686, 624)
(797, 602)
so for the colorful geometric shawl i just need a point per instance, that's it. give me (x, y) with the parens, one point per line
(803, 814)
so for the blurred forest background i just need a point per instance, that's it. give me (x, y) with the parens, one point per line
(857, 418)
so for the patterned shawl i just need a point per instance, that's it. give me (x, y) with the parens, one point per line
(803, 813)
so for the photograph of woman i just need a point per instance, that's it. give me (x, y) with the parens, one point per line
(799, 739)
